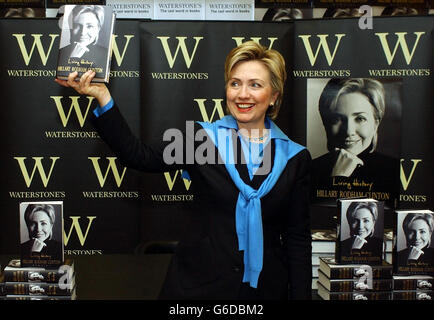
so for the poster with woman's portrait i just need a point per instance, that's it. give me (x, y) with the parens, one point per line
(361, 231)
(41, 234)
(353, 135)
(413, 251)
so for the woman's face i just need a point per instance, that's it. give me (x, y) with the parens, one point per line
(352, 125)
(40, 226)
(362, 223)
(85, 29)
(249, 93)
(418, 234)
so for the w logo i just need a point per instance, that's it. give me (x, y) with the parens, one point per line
(111, 167)
(188, 54)
(44, 52)
(28, 178)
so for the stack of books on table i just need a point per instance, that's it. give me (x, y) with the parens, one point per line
(337, 281)
(414, 287)
(38, 283)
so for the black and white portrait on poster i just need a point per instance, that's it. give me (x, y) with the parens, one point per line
(353, 134)
(41, 233)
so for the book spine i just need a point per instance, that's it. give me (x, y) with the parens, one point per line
(28, 297)
(36, 289)
(28, 276)
(350, 285)
(413, 295)
(338, 246)
(361, 296)
(348, 272)
(412, 284)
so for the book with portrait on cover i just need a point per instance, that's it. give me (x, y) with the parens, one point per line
(86, 40)
(413, 250)
(360, 231)
(41, 234)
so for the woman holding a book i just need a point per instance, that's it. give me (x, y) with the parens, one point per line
(252, 238)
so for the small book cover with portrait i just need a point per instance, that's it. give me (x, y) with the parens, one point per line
(360, 231)
(86, 41)
(413, 250)
(41, 234)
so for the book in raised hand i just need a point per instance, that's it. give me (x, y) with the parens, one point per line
(86, 40)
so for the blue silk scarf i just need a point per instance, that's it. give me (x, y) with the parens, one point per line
(248, 217)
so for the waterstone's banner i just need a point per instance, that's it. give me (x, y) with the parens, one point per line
(167, 73)
(50, 150)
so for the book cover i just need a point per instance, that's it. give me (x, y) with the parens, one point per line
(356, 295)
(414, 282)
(13, 272)
(86, 41)
(413, 295)
(413, 251)
(334, 270)
(39, 289)
(360, 231)
(41, 233)
(354, 284)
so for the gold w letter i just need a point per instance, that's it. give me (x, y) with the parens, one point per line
(111, 167)
(36, 43)
(322, 44)
(74, 105)
(181, 45)
(399, 43)
(76, 225)
(38, 165)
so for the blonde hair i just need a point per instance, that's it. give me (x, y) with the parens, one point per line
(372, 89)
(272, 59)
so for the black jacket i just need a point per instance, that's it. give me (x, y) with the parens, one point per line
(207, 263)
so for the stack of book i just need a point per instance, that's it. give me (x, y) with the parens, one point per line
(337, 281)
(38, 283)
(416, 287)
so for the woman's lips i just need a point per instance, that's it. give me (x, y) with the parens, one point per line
(244, 107)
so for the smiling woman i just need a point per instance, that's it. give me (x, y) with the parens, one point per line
(255, 241)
